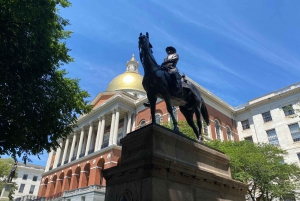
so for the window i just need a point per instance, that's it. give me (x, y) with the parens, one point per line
(245, 124)
(82, 198)
(158, 118)
(21, 189)
(288, 110)
(205, 128)
(31, 189)
(218, 128)
(34, 178)
(25, 176)
(142, 123)
(272, 136)
(228, 131)
(267, 116)
(250, 139)
(294, 128)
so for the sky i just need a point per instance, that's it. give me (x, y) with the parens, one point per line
(238, 50)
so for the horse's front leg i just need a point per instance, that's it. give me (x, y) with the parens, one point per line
(170, 110)
(152, 100)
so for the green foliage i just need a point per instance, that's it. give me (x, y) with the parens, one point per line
(262, 167)
(183, 127)
(5, 167)
(38, 104)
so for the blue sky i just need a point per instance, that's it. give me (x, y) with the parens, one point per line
(238, 50)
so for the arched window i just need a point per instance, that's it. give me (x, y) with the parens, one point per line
(229, 133)
(142, 123)
(218, 130)
(158, 118)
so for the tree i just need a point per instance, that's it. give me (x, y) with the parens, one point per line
(185, 128)
(263, 168)
(5, 167)
(38, 103)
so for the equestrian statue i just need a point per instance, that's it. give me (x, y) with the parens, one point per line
(164, 81)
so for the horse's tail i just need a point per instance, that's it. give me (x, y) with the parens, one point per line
(204, 112)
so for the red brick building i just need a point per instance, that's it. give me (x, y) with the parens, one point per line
(75, 169)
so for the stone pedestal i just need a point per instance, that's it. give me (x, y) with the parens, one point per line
(160, 165)
(5, 192)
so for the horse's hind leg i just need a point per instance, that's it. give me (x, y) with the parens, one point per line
(198, 117)
(188, 114)
(170, 110)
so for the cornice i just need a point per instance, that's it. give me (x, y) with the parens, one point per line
(271, 97)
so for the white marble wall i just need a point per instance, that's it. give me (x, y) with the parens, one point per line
(279, 122)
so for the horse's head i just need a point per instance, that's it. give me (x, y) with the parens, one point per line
(144, 44)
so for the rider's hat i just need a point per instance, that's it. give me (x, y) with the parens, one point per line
(170, 48)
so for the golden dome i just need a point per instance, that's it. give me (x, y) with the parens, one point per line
(131, 79)
(127, 80)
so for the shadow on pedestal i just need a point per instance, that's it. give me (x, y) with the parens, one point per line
(160, 165)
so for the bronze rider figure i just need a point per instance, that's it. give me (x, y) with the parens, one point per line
(170, 63)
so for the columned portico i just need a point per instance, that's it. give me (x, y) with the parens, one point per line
(72, 147)
(111, 133)
(125, 126)
(65, 151)
(80, 143)
(116, 126)
(98, 133)
(88, 143)
(101, 132)
(49, 160)
(133, 122)
(129, 115)
(111, 118)
(57, 157)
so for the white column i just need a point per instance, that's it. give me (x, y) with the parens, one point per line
(65, 151)
(80, 143)
(101, 133)
(98, 134)
(129, 122)
(50, 155)
(112, 125)
(88, 143)
(133, 122)
(124, 126)
(117, 118)
(57, 156)
(72, 147)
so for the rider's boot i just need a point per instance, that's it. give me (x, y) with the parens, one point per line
(179, 84)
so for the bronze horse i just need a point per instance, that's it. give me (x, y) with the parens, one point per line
(157, 82)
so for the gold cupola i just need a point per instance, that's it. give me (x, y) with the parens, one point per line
(131, 79)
